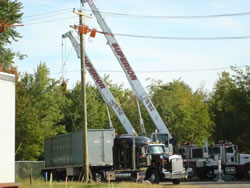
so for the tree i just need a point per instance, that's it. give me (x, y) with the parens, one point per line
(10, 13)
(230, 108)
(38, 112)
(96, 109)
(184, 112)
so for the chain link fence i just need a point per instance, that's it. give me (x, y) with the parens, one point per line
(26, 168)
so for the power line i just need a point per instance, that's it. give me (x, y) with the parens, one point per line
(176, 17)
(160, 71)
(155, 37)
(46, 13)
(52, 20)
(49, 14)
(184, 38)
(43, 17)
(146, 16)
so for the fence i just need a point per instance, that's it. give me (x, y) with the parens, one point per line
(24, 169)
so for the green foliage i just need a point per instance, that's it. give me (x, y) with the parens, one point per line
(126, 99)
(97, 117)
(230, 108)
(72, 108)
(184, 112)
(44, 110)
(38, 112)
(10, 13)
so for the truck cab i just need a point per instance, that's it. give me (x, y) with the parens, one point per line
(233, 162)
(147, 159)
(225, 150)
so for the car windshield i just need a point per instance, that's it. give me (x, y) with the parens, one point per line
(156, 149)
(162, 138)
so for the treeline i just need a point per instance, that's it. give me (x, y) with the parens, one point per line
(43, 109)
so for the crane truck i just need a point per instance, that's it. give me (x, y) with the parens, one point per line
(162, 130)
(144, 162)
(204, 162)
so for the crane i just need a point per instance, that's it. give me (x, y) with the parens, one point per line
(134, 82)
(102, 87)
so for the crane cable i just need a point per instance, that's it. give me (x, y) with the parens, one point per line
(64, 81)
(64, 84)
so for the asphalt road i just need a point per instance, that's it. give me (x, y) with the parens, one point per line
(211, 184)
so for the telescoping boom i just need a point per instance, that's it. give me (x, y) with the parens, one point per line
(102, 87)
(134, 82)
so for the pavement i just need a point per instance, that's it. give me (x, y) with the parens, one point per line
(210, 184)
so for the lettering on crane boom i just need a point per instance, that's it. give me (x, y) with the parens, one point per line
(117, 107)
(94, 74)
(149, 104)
(124, 61)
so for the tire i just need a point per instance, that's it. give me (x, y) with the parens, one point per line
(207, 174)
(247, 172)
(210, 174)
(176, 181)
(154, 177)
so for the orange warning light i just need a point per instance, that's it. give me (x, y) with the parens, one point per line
(83, 29)
(93, 33)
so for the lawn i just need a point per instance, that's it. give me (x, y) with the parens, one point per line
(42, 184)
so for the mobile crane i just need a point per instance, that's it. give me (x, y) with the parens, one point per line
(102, 87)
(163, 133)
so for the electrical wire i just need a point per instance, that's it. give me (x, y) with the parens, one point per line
(160, 71)
(144, 36)
(44, 17)
(184, 38)
(63, 11)
(175, 17)
(46, 13)
(52, 20)
(156, 37)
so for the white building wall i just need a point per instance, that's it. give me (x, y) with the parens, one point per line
(7, 128)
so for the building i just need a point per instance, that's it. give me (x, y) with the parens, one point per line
(7, 128)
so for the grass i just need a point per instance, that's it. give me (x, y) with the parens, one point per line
(42, 184)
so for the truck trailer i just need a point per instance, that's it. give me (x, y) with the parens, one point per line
(64, 156)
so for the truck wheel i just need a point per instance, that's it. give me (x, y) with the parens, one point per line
(210, 174)
(154, 177)
(247, 172)
(176, 181)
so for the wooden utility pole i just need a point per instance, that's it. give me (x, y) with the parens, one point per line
(84, 105)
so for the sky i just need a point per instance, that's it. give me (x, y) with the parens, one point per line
(197, 62)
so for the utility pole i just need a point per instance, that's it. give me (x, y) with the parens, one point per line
(84, 104)
(83, 29)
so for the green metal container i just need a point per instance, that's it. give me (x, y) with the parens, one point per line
(66, 150)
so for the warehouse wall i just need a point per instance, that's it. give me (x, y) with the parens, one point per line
(7, 128)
